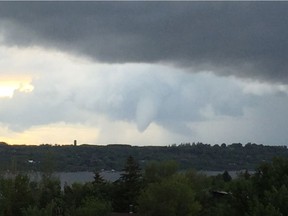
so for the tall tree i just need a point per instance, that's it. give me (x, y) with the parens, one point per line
(156, 171)
(131, 173)
(128, 186)
(170, 197)
(98, 179)
(226, 176)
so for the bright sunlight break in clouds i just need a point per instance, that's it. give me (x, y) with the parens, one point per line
(143, 73)
(8, 86)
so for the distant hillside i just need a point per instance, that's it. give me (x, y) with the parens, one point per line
(92, 157)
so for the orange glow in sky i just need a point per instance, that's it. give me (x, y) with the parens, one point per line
(8, 86)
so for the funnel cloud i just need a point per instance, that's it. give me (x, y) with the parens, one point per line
(144, 72)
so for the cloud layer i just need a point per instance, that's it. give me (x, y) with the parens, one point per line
(116, 71)
(75, 91)
(245, 39)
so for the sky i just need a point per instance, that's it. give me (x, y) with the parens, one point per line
(143, 73)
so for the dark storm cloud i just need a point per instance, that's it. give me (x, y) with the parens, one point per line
(246, 39)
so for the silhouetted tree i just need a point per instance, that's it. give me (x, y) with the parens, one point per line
(98, 179)
(128, 187)
(226, 176)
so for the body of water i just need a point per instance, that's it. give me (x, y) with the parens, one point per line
(82, 177)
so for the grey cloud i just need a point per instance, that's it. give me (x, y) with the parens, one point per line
(136, 97)
(245, 39)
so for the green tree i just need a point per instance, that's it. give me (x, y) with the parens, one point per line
(35, 211)
(226, 176)
(49, 195)
(265, 210)
(98, 180)
(270, 175)
(265, 193)
(128, 187)
(6, 196)
(93, 206)
(156, 171)
(242, 196)
(15, 194)
(131, 172)
(73, 196)
(170, 197)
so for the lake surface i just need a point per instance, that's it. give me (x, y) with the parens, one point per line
(111, 176)
(83, 177)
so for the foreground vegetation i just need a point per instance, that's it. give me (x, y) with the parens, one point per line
(90, 157)
(158, 190)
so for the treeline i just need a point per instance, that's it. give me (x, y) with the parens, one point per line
(200, 156)
(158, 190)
